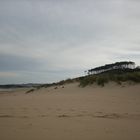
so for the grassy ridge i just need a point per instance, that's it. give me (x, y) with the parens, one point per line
(117, 76)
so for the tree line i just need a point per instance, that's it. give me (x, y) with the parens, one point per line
(113, 66)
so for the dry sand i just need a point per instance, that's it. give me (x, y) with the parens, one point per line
(71, 113)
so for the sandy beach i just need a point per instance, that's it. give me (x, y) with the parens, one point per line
(71, 113)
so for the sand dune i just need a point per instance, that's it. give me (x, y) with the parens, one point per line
(71, 113)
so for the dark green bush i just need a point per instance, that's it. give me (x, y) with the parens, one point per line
(102, 80)
(118, 77)
(87, 81)
(135, 77)
(29, 91)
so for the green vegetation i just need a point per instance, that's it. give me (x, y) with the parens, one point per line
(114, 66)
(67, 81)
(116, 72)
(117, 76)
(29, 91)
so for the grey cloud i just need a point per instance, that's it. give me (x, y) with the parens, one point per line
(16, 63)
(54, 38)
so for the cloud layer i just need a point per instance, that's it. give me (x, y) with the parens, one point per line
(45, 41)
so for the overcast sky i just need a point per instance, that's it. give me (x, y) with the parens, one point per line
(50, 40)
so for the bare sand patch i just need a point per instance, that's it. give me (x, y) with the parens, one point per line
(71, 113)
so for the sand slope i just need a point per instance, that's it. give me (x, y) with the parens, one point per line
(71, 113)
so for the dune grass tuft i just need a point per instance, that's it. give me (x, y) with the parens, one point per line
(115, 76)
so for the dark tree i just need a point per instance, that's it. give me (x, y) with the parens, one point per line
(113, 66)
